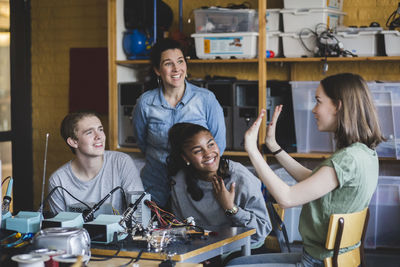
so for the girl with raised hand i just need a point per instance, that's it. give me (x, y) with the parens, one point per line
(343, 183)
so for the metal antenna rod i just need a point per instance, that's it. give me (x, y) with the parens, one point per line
(44, 174)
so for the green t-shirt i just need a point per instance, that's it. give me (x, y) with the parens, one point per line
(357, 170)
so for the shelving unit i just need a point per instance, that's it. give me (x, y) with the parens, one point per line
(122, 70)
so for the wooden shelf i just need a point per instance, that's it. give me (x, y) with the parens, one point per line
(226, 153)
(190, 61)
(332, 59)
(268, 60)
(129, 149)
(118, 67)
(236, 153)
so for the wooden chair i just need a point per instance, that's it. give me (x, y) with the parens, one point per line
(271, 242)
(346, 230)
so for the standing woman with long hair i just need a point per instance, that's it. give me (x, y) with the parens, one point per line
(343, 183)
(174, 100)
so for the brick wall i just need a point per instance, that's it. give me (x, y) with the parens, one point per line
(58, 26)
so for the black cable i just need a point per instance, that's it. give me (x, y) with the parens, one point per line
(393, 22)
(88, 215)
(57, 187)
(303, 32)
(106, 258)
(134, 259)
(5, 179)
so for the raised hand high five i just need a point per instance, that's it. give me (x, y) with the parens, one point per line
(270, 138)
(250, 137)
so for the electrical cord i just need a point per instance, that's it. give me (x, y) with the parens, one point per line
(165, 218)
(393, 22)
(303, 32)
(60, 187)
(5, 179)
(133, 259)
(88, 215)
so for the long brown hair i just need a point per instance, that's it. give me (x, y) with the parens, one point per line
(357, 116)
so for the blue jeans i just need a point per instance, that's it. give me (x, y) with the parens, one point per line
(277, 260)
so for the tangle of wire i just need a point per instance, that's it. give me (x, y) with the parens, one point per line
(393, 22)
(321, 32)
(165, 218)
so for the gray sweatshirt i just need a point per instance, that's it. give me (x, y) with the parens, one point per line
(118, 170)
(208, 212)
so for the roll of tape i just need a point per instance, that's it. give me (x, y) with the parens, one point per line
(51, 253)
(66, 260)
(30, 260)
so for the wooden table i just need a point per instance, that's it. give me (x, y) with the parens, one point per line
(225, 240)
(142, 263)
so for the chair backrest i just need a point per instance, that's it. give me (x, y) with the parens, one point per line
(346, 230)
(279, 210)
(271, 242)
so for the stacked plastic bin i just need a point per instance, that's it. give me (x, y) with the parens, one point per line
(225, 33)
(273, 28)
(362, 41)
(387, 101)
(308, 138)
(383, 226)
(298, 16)
(392, 42)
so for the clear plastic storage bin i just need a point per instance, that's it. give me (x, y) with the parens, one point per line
(384, 106)
(291, 220)
(223, 20)
(308, 137)
(383, 226)
(394, 88)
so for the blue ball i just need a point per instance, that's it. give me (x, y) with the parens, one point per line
(134, 43)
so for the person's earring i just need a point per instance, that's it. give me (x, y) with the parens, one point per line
(159, 81)
(187, 163)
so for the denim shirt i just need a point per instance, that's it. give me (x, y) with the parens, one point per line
(153, 117)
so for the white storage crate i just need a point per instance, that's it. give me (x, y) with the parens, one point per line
(392, 43)
(362, 43)
(337, 4)
(295, 45)
(273, 21)
(383, 226)
(273, 42)
(223, 20)
(308, 137)
(226, 45)
(295, 20)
